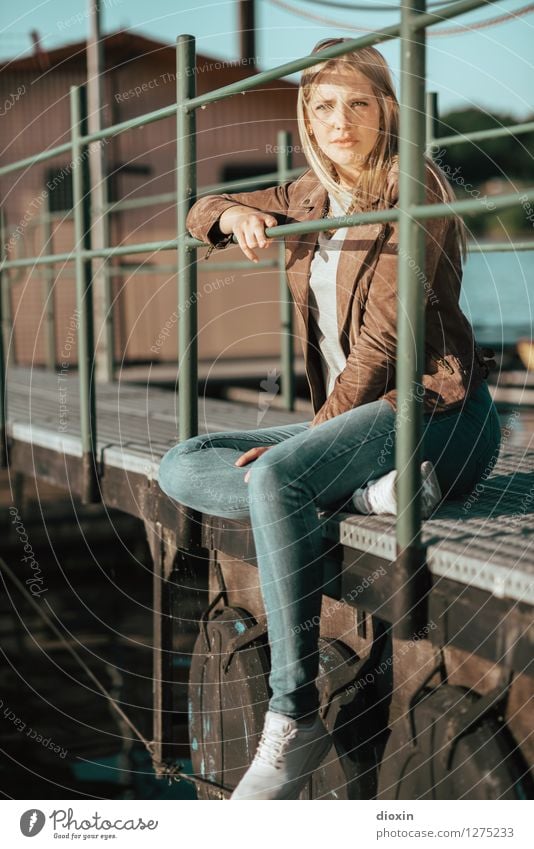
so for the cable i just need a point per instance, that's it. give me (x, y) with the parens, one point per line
(371, 7)
(460, 30)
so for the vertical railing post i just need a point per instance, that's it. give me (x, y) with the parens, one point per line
(102, 297)
(286, 303)
(187, 269)
(84, 292)
(3, 362)
(410, 572)
(48, 294)
(432, 120)
(6, 324)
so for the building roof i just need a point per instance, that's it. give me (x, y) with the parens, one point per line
(120, 47)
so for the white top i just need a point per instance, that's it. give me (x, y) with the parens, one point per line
(323, 309)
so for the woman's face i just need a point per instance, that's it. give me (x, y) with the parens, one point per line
(344, 117)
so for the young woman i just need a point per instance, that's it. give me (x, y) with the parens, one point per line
(344, 284)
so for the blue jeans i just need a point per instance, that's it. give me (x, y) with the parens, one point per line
(309, 469)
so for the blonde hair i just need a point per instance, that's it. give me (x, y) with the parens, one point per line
(374, 186)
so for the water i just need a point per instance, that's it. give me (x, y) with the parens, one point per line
(498, 295)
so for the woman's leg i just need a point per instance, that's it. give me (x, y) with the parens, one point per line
(463, 447)
(318, 468)
(321, 468)
(200, 472)
(309, 468)
(464, 444)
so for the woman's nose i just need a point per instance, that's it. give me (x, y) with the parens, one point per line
(342, 116)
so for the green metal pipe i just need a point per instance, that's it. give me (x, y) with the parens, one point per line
(385, 34)
(248, 183)
(123, 250)
(49, 298)
(230, 186)
(445, 13)
(84, 300)
(436, 210)
(420, 212)
(431, 124)
(186, 182)
(241, 264)
(500, 247)
(172, 269)
(410, 322)
(482, 135)
(35, 158)
(6, 325)
(286, 302)
(131, 124)
(3, 368)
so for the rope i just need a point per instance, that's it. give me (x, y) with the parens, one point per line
(172, 771)
(44, 616)
(460, 30)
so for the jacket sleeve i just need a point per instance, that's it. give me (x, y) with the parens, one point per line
(371, 363)
(203, 218)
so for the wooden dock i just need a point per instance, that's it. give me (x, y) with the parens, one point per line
(480, 557)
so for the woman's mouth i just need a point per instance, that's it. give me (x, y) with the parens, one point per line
(344, 142)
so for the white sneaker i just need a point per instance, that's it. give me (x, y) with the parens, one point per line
(287, 755)
(379, 496)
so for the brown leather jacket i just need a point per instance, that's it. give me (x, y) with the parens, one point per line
(366, 294)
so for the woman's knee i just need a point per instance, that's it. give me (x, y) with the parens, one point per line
(272, 472)
(168, 472)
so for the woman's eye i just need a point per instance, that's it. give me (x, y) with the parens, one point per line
(359, 102)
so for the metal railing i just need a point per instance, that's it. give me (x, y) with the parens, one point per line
(415, 135)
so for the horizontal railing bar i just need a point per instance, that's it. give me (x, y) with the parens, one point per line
(385, 34)
(422, 212)
(132, 267)
(229, 266)
(493, 247)
(132, 123)
(126, 268)
(145, 247)
(480, 135)
(216, 188)
(249, 181)
(428, 19)
(502, 201)
(242, 86)
(35, 159)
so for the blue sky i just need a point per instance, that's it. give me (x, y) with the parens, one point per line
(490, 68)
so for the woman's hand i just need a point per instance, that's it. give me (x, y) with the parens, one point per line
(248, 225)
(251, 454)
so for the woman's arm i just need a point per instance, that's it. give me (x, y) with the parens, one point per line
(371, 364)
(204, 218)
